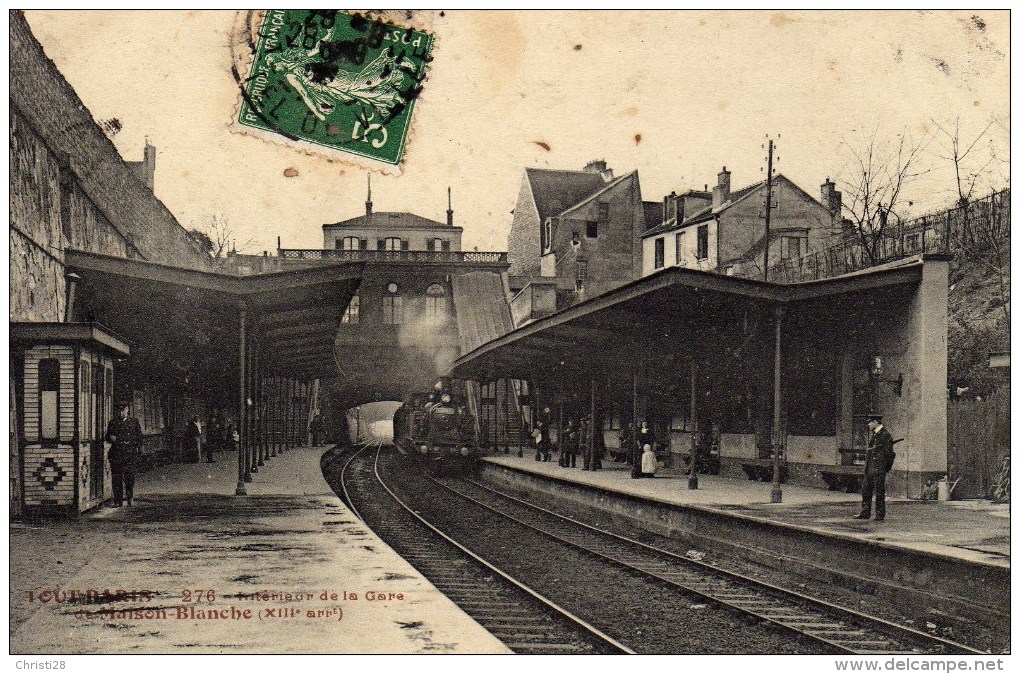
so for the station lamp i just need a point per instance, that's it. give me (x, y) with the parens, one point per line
(877, 371)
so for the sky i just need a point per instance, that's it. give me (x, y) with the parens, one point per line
(676, 95)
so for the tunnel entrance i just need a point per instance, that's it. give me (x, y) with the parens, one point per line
(372, 422)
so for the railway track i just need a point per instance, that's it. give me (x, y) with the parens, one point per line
(524, 620)
(835, 627)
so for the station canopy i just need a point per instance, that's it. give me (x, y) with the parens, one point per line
(181, 315)
(673, 310)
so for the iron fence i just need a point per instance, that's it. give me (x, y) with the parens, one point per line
(975, 226)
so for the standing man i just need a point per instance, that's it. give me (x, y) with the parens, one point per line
(877, 463)
(316, 428)
(124, 434)
(194, 436)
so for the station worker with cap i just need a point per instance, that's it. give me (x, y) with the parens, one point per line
(877, 463)
(124, 434)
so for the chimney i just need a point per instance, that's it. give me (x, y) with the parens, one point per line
(831, 199)
(595, 166)
(368, 202)
(721, 192)
(449, 207)
(149, 165)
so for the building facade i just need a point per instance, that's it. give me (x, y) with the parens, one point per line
(723, 230)
(393, 232)
(574, 235)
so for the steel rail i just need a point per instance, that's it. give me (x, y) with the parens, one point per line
(772, 614)
(596, 635)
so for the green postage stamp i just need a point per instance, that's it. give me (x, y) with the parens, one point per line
(333, 83)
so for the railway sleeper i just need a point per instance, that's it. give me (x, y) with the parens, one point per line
(537, 646)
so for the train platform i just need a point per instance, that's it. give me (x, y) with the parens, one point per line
(970, 531)
(938, 562)
(192, 568)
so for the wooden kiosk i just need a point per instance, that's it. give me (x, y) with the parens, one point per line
(64, 374)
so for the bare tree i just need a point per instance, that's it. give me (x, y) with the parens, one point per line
(984, 235)
(877, 173)
(970, 161)
(218, 237)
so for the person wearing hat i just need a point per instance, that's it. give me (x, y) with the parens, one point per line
(877, 463)
(124, 434)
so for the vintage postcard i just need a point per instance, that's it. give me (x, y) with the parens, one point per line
(351, 332)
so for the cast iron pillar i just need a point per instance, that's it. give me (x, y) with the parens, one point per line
(777, 489)
(241, 490)
(692, 480)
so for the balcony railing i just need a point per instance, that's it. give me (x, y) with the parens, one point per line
(431, 256)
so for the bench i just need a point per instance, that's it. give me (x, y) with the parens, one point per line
(707, 465)
(761, 470)
(843, 478)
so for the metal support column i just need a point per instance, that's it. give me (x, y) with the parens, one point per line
(288, 404)
(302, 424)
(277, 415)
(285, 428)
(692, 480)
(294, 413)
(777, 441)
(242, 320)
(259, 410)
(635, 449)
(252, 442)
(591, 428)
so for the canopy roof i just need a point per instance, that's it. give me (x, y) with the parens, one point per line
(293, 314)
(675, 308)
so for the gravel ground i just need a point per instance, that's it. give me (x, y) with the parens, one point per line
(968, 633)
(630, 607)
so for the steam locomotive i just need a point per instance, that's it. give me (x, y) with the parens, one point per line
(436, 431)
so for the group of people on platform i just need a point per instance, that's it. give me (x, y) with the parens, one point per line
(576, 439)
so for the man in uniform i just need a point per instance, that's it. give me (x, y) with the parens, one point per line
(877, 463)
(124, 434)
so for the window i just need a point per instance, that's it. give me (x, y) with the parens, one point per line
(703, 242)
(349, 243)
(393, 306)
(49, 397)
(352, 314)
(660, 253)
(393, 310)
(582, 272)
(446, 246)
(792, 247)
(435, 303)
(392, 243)
(679, 247)
(547, 235)
(592, 229)
(603, 214)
